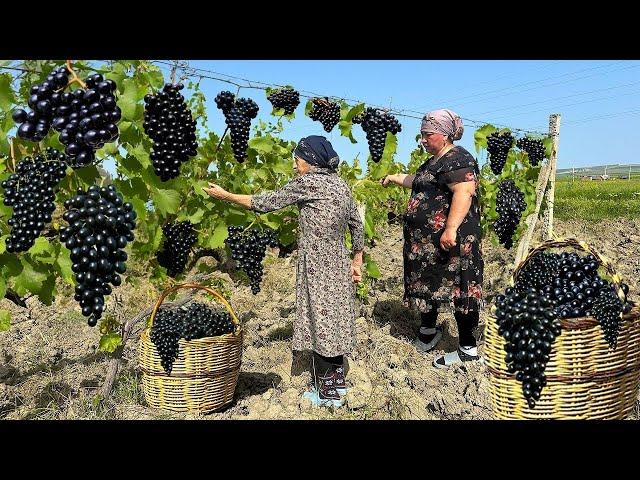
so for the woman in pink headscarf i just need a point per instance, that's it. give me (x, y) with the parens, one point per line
(443, 263)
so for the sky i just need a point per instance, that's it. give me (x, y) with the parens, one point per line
(599, 101)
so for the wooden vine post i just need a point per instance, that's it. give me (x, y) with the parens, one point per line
(547, 175)
(554, 133)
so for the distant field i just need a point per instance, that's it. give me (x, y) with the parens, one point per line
(597, 200)
(611, 170)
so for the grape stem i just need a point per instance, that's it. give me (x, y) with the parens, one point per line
(222, 138)
(76, 181)
(13, 155)
(250, 225)
(75, 78)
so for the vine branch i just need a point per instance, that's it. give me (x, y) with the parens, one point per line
(75, 78)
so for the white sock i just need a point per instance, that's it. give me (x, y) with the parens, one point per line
(473, 351)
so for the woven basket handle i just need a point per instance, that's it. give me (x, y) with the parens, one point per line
(175, 288)
(578, 245)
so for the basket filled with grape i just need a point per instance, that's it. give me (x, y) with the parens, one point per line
(563, 342)
(190, 356)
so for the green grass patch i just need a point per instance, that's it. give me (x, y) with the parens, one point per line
(597, 200)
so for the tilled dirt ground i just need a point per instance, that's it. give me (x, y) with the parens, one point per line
(50, 366)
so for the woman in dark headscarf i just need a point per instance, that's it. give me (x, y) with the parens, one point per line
(325, 310)
(443, 263)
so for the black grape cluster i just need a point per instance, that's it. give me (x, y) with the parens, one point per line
(498, 146)
(86, 118)
(286, 98)
(31, 191)
(577, 288)
(100, 226)
(325, 112)
(606, 308)
(238, 113)
(534, 148)
(169, 124)
(541, 270)
(548, 288)
(376, 124)
(248, 248)
(189, 322)
(179, 239)
(528, 322)
(43, 100)
(510, 204)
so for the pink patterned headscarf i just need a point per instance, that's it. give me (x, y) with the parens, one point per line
(443, 121)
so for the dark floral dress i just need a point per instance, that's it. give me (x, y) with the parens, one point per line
(325, 294)
(448, 278)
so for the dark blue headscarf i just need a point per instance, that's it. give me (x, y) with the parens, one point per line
(317, 150)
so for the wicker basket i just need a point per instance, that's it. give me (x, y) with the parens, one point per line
(585, 379)
(205, 373)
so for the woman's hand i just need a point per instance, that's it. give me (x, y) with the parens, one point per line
(356, 271)
(448, 238)
(400, 179)
(387, 179)
(356, 267)
(216, 191)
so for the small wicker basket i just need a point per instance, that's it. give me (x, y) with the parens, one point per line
(585, 379)
(205, 373)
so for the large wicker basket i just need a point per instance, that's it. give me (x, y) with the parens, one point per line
(585, 379)
(205, 374)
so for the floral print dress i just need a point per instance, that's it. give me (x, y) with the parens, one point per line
(325, 293)
(450, 279)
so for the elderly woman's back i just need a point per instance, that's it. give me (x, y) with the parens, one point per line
(325, 310)
(326, 209)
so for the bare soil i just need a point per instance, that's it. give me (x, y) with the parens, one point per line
(50, 367)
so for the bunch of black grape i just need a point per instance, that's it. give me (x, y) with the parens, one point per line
(498, 146)
(285, 98)
(189, 322)
(577, 289)
(238, 113)
(540, 271)
(376, 124)
(248, 248)
(100, 226)
(549, 287)
(169, 124)
(535, 149)
(326, 112)
(607, 309)
(43, 100)
(179, 239)
(31, 192)
(165, 335)
(509, 204)
(86, 119)
(574, 282)
(529, 324)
